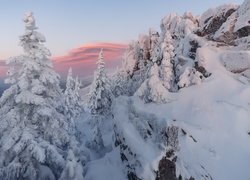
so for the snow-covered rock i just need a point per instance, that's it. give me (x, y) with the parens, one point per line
(243, 20)
(236, 61)
(212, 20)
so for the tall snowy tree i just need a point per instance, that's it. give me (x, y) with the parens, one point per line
(72, 100)
(167, 72)
(190, 77)
(77, 97)
(155, 46)
(34, 132)
(100, 99)
(73, 169)
(96, 143)
(152, 89)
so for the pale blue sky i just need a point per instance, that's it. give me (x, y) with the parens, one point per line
(70, 23)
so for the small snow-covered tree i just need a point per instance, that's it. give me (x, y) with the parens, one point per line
(77, 97)
(96, 144)
(100, 99)
(190, 77)
(152, 89)
(144, 43)
(166, 70)
(72, 100)
(33, 132)
(119, 83)
(73, 169)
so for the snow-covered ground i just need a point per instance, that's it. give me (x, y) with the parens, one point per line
(213, 121)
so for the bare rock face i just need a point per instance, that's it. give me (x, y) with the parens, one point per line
(167, 169)
(226, 23)
(244, 32)
(213, 24)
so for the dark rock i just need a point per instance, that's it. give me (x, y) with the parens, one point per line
(243, 32)
(123, 157)
(194, 46)
(132, 176)
(148, 132)
(167, 170)
(183, 131)
(193, 138)
(170, 153)
(213, 24)
(206, 21)
(151, 127)
(202, 70)
(174, 159)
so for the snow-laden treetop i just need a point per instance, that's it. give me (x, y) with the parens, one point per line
(29, 20)
(100, 61)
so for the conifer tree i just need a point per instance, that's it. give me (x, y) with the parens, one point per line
(155, 46)
(100, 99)
(73, 169)
(72, 98)
(152, 89)
(166, 71)
(34, 132)
(77, 97)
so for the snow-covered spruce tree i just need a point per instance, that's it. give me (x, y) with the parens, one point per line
(155, 47)
(100, 99)
(72, 100)
(77, 97)
(69, 104)
(96, 143)
(142, 65)
(34, 132)
(129, 61)
(190, 77)
(152, 89)
(119, 83)
(166, 71)
(73, 169)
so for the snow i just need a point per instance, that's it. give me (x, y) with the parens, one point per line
(218, 120)
(244, 16)
(246, 73)
(109, 167)
(216, 125)
(236, 61)
(226, 26)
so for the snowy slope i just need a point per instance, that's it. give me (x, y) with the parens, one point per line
(217, 119)
(203, 130)
(213, 128)
(216, 123)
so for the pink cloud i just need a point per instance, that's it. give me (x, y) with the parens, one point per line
(83, 59)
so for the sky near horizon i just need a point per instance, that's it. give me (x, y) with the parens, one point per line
(70, 25)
